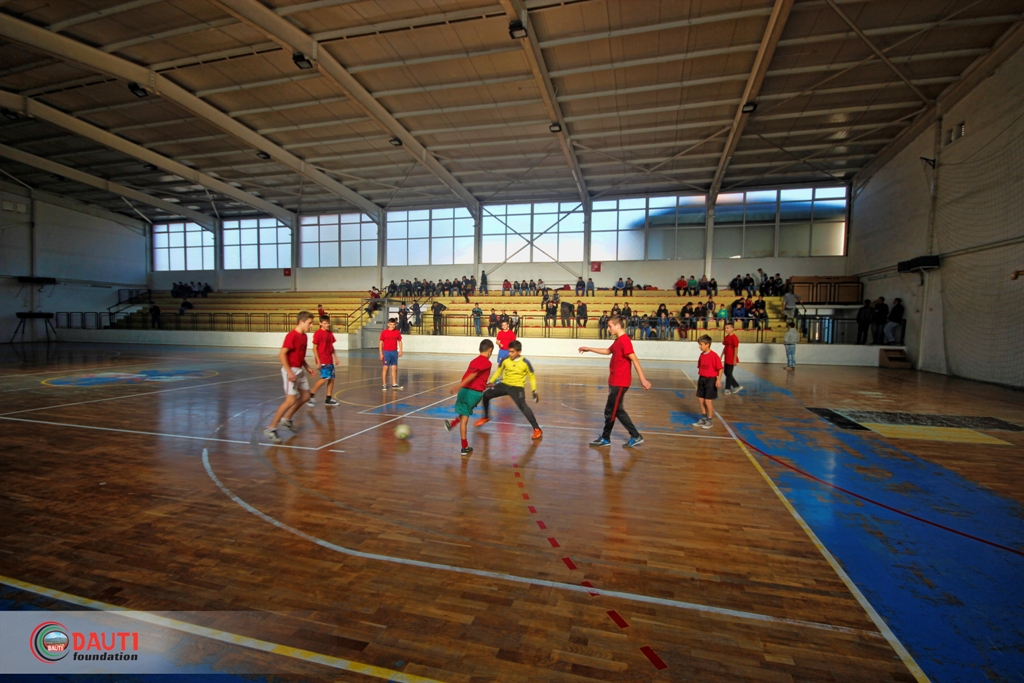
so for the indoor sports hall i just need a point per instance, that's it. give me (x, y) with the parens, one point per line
(754, 267)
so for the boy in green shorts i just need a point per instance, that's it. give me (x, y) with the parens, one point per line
(470, 391)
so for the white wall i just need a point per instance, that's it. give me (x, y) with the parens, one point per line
(890, 214)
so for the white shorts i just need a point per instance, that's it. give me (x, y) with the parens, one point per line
(300, 383)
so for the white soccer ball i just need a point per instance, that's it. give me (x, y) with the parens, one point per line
(403, 432)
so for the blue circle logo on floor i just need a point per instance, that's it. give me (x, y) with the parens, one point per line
(109, 378)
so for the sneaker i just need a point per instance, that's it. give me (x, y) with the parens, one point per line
(311, 402)
(289, 424)
(708, 424)
(737, 390)
(466, 451)
(330, 402)
(447, 425)
(600, 442)
(700, 422)
(272, 436)
(481, 422)
(384, 388)
(397, 386)
(634, 441)
(537, 433)
(727, 392)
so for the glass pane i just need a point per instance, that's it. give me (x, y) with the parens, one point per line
(194, 258)
(762, 197)
(734, 198)
(631, 246)
(443, 228)
(603, 246)
(760, 213)
(693, 200)
(369, 253)
(604, 220)
(419, 215)
(638, 203)
(268, 222)
(443, 213)
(334, 218)
(462, 212)
(520, 224)
(160, 240)
(570, 207)
(661, 202)
(250, 223)
(832, 208)
(493, 226)
(545, 208)
(548, 243)
(662, 218)
(176, 239)
(176, 227)
(309, 255)
(177, 259)
(543, 222)
(268, 235)
(464, 227)
(231, 236)
(232, 258)
(160, 227)
(572, 222)
(694, 214)
(398, 230)
(268, 256)
(419, 252)
(570, 247)
(442, 250)
(492, 248)
(208, 260)
(759, 241)
(250, 236)
(518, 244)
(463, 249)
(728, 242)
(827, 239)
(368, 231)
(661, 244)
(284, 256)
(396, 252)
(518, 209)
(350, 254)
(309, 220)
(794, 240)
(193, 239)
(329, 233)
(328, 254)
(230, 224)
(284, 235)
(419, 228)
(632, 220)
(795, 211)
(397, 216)
(829, 192)
(600, 206)
(728, 213)
(795, 195)
(349, 231)
(207, 238)
(690, 244)
(161, 260)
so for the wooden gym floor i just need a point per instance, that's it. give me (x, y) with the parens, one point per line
(869, 541)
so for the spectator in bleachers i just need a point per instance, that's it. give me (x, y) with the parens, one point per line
(691, 286)
(581, 286)
(664, 328)
(186, 305)
(749, 284)
(550, 314)
(541, 287)
(616, 310)
(627, 312)
(567, 313)
(627, 289)
(581, 314)
(761, 281)
(403, 318)
(645, 327)
(662, 309)
(392, 288)
(154, 317)
(879, 321)
(739, 314)
(513, 322)
(712, 287)
(736, 285)
(702, 285)
(492, 323)
(506, 288)
(503, 318)
(602, 325)
(590, 287)
(437, 308)
(633, 324)
(895, 320)
(415, 313)
(778, 285)
(789, 302)
(865, 315)
(700, 316)
(478, 314)
(207, 289)
(680, 285)
(618, 287)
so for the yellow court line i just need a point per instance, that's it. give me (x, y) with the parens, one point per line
(224, 636)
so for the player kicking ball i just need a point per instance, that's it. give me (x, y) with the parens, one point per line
(621, 365)
(513, 372)
(470, 391)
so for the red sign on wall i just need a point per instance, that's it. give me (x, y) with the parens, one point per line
(595, 266)
(287, 272)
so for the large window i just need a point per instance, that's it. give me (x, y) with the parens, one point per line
(257, 243)
(522, 233)
(182, 246)
(657, 228)
(348, 239)
(797, 222)
(435, 237)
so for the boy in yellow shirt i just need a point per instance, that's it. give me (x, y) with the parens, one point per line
(513, 371)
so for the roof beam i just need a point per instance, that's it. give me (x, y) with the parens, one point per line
(281, 31)
(97, 60)
(100, 14)
(515, 11)
(13, 154)
(29, 107)
(770, 40)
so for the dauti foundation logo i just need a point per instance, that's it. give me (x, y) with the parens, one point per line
(50, 642)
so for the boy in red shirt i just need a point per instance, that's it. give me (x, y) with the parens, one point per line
(621, 365)
(390, 347)
(470, 391)
(505, 337)
(709, 371)
(293, 370)
(731, 358)
(326, 359)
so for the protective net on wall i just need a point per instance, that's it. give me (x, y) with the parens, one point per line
(981, 204)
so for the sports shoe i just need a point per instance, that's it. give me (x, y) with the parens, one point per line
(447, 425)
(481, 422)
(537, 433)
(330, 402)
(466, 451)
(634, 441)
(727, 392)
(272, 436)
(289, 424)
(600, 442)
(397, 386)
(700, 422)
(311, 402)
(737, 390)
(384, 388)
(708, 424)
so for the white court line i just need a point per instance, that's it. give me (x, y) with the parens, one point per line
(634, 597)
(144, 393)
(381, 424)
(366, 411)
(134, 431)
(577, 429)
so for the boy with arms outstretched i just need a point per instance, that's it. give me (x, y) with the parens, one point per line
(326, 359)
(293, 370)
(470, 391)
(514, 371)
(709, 371)
(621, 365)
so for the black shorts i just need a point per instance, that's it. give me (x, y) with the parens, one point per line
(706, 388)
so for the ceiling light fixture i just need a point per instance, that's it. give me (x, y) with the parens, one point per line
(516, 30)
(58, 178)
(301, 60)
(555, 127)
(262, 155)
(395, 142)
(138, 90)
(749, 107)
(8, 114)
(150, 167)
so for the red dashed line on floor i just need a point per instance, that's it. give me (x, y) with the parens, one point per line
(532, 509)
(590, 587)
(541, 524)
(617, 618)
(554, 543)
(569, 563)
(653, 656)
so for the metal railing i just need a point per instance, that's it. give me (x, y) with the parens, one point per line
(826, 329)
(130, 297)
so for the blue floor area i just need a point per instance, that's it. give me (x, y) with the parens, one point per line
(957, 604)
